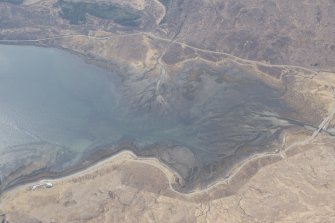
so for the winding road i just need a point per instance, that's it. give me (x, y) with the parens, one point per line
(170, 41)
(171, 174)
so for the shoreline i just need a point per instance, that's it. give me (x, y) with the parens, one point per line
(172, 176)
(167, 170)
(43, 174)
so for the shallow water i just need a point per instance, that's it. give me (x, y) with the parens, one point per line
(48, 95)
(53, 96)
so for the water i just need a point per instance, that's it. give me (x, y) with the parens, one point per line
(51, 96)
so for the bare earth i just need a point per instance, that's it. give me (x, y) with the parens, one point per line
(298, 188)
(171, 62)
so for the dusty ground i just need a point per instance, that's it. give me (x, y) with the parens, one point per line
(289, 46)
(298, 188)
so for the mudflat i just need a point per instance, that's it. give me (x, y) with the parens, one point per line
(209, 111)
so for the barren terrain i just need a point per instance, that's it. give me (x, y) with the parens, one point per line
(297, 188)
(248, 85)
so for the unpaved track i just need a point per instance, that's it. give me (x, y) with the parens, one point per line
(231, 56)
(171, 174)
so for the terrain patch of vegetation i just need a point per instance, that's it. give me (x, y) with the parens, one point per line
(16, 2)
(75, 13)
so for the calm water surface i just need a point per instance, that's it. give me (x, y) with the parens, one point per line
(52, 96)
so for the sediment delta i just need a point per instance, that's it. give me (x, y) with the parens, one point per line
(209, 111)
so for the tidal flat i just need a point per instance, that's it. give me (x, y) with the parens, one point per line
(59, 113)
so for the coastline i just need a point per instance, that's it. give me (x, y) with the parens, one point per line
(171, 174)
(237, 177)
